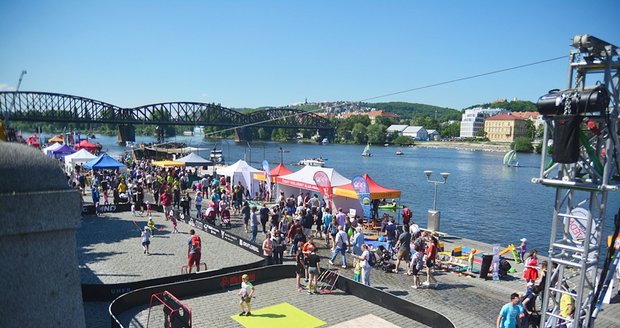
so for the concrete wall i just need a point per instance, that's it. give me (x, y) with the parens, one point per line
(39, 216)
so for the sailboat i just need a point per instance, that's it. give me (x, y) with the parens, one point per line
(510, 159)
(366, 152)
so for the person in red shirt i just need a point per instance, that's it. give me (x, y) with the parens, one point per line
(166, 202)
(431, 254)
(407, 215)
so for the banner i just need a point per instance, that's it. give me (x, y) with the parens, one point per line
(267, 177)
(360, 185)
(325, 186)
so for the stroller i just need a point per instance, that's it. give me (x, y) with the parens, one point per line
(225, 219)
(384, 259)
(209, 215)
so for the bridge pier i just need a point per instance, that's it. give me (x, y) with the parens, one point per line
(243, 134)
(126, 132)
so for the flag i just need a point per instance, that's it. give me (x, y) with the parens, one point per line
(360, 185)
(325, 186)
(267, 177)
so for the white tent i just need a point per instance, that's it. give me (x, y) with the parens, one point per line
(80, 157)
(194, 160)
(303, 179)
(48, 150)
(241, 172)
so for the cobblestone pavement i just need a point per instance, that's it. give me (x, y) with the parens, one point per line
(331, 308)
(468, 302)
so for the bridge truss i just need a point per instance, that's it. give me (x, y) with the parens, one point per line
(582, 185)
(54, 107)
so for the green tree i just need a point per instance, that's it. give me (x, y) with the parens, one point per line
(359, 133)
(522, 144)
(530, 129)
(376, 133)
(403, 141)
(452, 130)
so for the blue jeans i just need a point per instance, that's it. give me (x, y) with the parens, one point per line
(340, 250)
(254, 233)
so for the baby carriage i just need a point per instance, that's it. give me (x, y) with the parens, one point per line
(209, 215)
(384, 259)
(225, 219)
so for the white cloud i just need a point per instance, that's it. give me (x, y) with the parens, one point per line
(6, 87)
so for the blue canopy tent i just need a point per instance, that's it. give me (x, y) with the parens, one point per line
(103, 162)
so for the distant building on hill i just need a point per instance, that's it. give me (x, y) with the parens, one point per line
(473, 120)
(373, 114)
(505, 127)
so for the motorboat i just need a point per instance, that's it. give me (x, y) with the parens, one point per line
(312, 162)
(216, 156)
(399, 153)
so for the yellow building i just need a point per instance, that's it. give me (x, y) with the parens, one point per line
(504, 128)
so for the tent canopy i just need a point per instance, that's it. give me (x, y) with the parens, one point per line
(56, 139)
(273, 173)
(240, 172)
(376, 191)
(168, 163)
(194, 160)
(85, 144)
(47, 150)
(81, 156)
(304, 178)
(62, 151)
(103, 162)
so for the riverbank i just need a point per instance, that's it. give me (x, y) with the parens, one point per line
(473, 146)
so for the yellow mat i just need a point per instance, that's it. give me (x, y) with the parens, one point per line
(280, 315)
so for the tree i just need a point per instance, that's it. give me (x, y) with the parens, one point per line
(522, 144)
(403, 141)
(359, 133)
(450, 130)
(530, 128)
(376, 133)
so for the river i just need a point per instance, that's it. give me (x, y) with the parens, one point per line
(482, 199)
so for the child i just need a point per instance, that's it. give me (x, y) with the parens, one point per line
(174, 222)
(470, 260)
(146, 239)
(148, 209)
(98, 209)
(246, 293)
(300, 269)
(357, 271)
(523, 249)
(133, 209)
(151, 225)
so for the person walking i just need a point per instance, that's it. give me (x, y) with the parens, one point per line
(404, 250)
(431, 254)
(365, 263)
(246, 293)
(530, 273)
(245, 211)
(509, 314)
(194, 250)
(198, 205)
(146, 239)
(268, 248)
(341, 243)
(254, 224)
(278, 247)
(358, 241)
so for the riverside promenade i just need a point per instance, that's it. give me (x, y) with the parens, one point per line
(109, 250)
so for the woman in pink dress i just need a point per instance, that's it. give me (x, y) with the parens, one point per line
(530, 273)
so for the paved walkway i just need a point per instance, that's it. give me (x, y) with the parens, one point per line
(110, 251)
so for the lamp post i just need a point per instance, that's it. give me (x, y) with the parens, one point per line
(433, 214)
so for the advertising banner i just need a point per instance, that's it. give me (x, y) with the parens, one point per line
(360, 185)
(325, 186)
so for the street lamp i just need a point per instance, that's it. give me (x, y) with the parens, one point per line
(433, 214)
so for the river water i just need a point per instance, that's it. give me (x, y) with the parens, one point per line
(482, 199)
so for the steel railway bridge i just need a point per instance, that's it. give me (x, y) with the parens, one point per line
(53, 107)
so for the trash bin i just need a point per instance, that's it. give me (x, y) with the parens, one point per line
(486, 265)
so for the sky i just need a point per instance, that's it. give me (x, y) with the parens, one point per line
(276, 53)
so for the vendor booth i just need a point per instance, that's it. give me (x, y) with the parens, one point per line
(85, 144)
(104, 161)
(241, 172)
(47, 150)
(346, 197)
(61, 152)
(80, 157)
(194, 160)
(167, 163)
(273, 173)
(303, 180)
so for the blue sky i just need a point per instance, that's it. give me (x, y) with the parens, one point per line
(274, 53)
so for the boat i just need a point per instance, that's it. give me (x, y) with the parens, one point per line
(188, 133)
(216, 156)
(312, 162)
(366, 152)
(199, 130)
(399, 153)
(510, 159)
(325, 141)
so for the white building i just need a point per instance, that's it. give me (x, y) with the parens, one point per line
(416, 132)
(473, 120)
(396, 128)
(433, 135)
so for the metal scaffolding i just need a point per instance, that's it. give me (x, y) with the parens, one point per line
(582, 185)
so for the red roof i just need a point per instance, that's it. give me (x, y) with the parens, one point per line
(376, 190)
(504, 117)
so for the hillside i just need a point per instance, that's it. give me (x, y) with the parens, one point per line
(410, 110)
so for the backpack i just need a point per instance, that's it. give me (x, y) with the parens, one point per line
(371, 259)
(196, 243)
